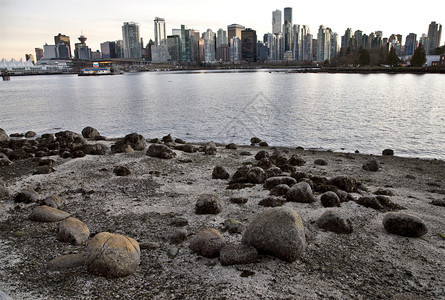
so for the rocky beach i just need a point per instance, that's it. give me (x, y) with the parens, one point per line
(85, 217)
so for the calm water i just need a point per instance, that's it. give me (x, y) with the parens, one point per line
(329, 111)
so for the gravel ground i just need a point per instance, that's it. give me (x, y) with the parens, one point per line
(367, 264)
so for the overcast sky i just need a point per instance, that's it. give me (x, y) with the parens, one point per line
(27, 24)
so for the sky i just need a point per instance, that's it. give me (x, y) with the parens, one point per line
(27, 24)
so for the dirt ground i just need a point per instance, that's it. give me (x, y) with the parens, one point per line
(367, 264)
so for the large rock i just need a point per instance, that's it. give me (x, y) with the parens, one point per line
(277, 231)
(207, 243)
(210, 148)
(345, 183)
(4, 137)
(90, 132)
(94, 149)
(47, 214)
(330, 199)
(219, 172)
(404, 224)
(237, 254)
(121, 171)
(208, 204)
(73, 231)
(301, 192)
(132, 141)
(66, 262)
(272, 182)
(27, 196)
(112, 255)
(372, 164)
(334, 221)
(388, 152)
(256, 175)
(160, 151)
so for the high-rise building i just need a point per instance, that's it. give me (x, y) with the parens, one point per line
(39, 53)
(276, 21)
(333, 47)
(248, 45)
(234, 30)
(299, 33)
(30, 57)
(176, 31)
(410, 43)
(287, 28)
(196, 46)
(131, 40)
(160, 32)
(108, 50)
(222, 46)
(209, 46)
(324, 44)
(308, 47)
(63, 51)
(49, 51)
(345, 41)
(66, 40)
(221, 38)
(185, 44)
(81, 50)
(120, 48)
(434, 35)
(174, 47)
(235, 49)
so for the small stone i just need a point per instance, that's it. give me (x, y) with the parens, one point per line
(30, 134)
(180, 141)
(385, 192)
(342, 195)
(335, 222)
(272, 202)
(372, 164)
(237, 254)
(78, 154)
(54, 201)
(207, 243)
(273, 172)
(208, 204)
(330, 199)
(239, 200)
(160, 151)
(47, 214)
(178, 236)
(255, 140)
(301, 192)
(150, 246)
(172, 251)
(219, 172)
(370, 202)
(121, 171)
(66, 262)
(74, 231)
(388, 152)
(404, 224)
(256, 175)
(263, 144)
(321, 162)
(280, 190)
(233, 226)
(232, 146)
(272, 182)
(167, 139)
(27, 196)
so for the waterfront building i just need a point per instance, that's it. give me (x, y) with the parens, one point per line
(108, 50)
(323, 44)
(160, 32)
(49, 52)
(120, 49)
(66, 42)
(221, 38)
(96, 55)
(159, 53)
(196, 46)
(308, 47)
(209, 46)
(235, 50)
(424, 41)
(345, 41)
(81, 50)
(222, 45)
(269, 41)
(287, 29)
(276, 21)
(410, 44)
(248, 45)
(333, 47)
(234, 30)
(63, 50)
(185, 44)
(262, 51)
(39, 53)
(30, 57)
(131, 41)
(299, 46)
(278, 47)
(434, 36)
(174, 47)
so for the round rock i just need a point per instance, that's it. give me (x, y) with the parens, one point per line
(335, 222)
(256, 175)
(330, 199)
(73, 231)
(48, 214)
(208, 204)
(372, 164)
(277, 231)
(404, 224)
(207, 243)
(219, 172)
(237, 254)
(121, 171)
(112, 255)
(301, 192)
(160, 151)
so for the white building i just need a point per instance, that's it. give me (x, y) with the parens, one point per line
(49, 51)
(209, 46)
(235, 50)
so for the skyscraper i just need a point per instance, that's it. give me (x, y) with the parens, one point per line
(221, 38)
(234, 30)
(39, 53)
(131, 40)
(66, 41)
(160, 32)
(323, 44)
(276, 21)
(248, 45)
(410, 43)
(174, 47)
(434, 35)
(108, 50)
(287, 28)
(209, 46)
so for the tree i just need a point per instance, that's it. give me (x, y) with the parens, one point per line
(419, 57)
(365, 58)
(392, 59)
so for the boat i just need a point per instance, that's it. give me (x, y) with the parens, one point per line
(99, 71)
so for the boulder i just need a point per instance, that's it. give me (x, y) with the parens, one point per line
(280, 190)
(97, 149)
(296, 160)
(121, 171)
(188, 148)
(272, 182)
(207, 243)
(231, 146)
(404, 224)
(301, 192)
(48, 214)
(219, 172)
(54, 201)
(160, 151)
(74, 231)
(265, 163)
(240, 175)
(370, 202)
(263, 144)
(136, 141)
(210, 148)
(256, 175)
(237, 254)
(345, 183)
(261, 154)
(272, 202)
(78, 154)
(255, 140)
(321, 162)
(277, 231)
(330, 199)
(388, 152)
(273, 172)
(112, 255)
(27, 196)
(178, 236)
(372, 164)
(167, 139)
(30, 134)
(4, 138)
(180, 141)
(335, 222)
(208, 204)
(342, 195)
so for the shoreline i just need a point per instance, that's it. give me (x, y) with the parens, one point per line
(160, 194)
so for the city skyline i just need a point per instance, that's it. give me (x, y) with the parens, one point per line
(26, 24)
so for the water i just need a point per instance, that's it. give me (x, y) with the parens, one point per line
(341, 112)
